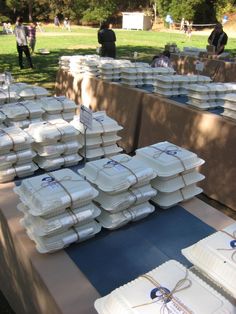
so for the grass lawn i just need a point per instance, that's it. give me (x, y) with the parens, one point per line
(82, 40)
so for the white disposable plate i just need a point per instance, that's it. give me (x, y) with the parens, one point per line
(142, 296)
(53, 131)
(117, 174)
(50, 244)
(121, 201)
(15, 139)
(13, 158)
(55, 191)
(214, 256)
(57, 149)
(168, 159)
(116, 220)
(43, 226)
(56, 162)
(18, 171)
(174, 183)
(101, 124)
(166, 200)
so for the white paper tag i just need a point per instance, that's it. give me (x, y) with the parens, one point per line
(199, 66)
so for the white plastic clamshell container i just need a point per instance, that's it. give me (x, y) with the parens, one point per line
(101, 124)
(55, 150)
(117, 174)
(167, 159)
(214, 257)
(166, 200)
(53, 131)
(56, 162)
(54, 192)
(22, 110)
(174, 183)
(121, 201)
(15, 139)
(57, 104)
(42, 226)
(113, 221)
(98, 152)
(18, 171)
(13, 158)
(141, 296)
(50, 244)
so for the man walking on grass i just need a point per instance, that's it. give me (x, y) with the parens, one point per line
(21, 33)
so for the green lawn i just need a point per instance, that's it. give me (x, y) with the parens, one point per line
(83, 41)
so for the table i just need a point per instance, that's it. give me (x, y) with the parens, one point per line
(52, 283)
(148, 119)
(218, 70)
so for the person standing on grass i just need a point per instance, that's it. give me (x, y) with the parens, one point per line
(218, 38)
(32, 36)
(21, 33)
(107, 38)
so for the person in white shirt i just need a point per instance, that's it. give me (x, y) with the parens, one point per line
(21, 33)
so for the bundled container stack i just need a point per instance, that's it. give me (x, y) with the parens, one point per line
(192, 51)
(229, 105)
(58, 209)
(7, 96)
(15, 154)
(169, 288)
(84, 65)
(176, 172)
(174, 85)
(25, 91)
(22, 114)
(218, 251)
(101, 139)
(58, 108)
(56, 143)
(124, 189)
(110, 70)
(205, 96)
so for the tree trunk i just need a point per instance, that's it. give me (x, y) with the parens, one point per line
(30, 8)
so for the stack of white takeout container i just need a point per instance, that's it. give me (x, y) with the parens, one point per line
(23, 91)
(215, 257)
(124, 189)
(58, 209)
(174, 85)
(21, 114)
(56, 143)
(15, 154)
(169, 288)
(101, 140)
(87, 64)
(205, 96)
(58, 108)
(176, 172)
(229, 104)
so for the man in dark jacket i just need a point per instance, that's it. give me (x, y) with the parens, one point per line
(107, 38)
(218, 38)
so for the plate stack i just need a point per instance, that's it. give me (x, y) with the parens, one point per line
(176, 172)
(106, 71)
(58, 108)
(15, 154)
(219, 251)
(101, 139)
(229, 106)
(27, 92)
(64, 63)
(124, 189)
(129, 76)
(205, 96)
(56, 144)
(58, 209)
(169, 288)
(22, 114)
